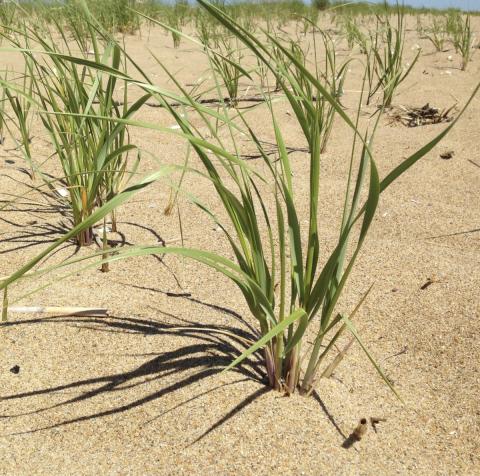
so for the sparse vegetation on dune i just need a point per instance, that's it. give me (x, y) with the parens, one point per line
(86, 92)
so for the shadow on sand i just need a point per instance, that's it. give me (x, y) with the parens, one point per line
(211, 349)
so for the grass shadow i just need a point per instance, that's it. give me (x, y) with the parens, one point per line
(210, 351)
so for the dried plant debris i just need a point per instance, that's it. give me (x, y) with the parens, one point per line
(420, 116)
(357, 434)
(447, 155)
(429, 282)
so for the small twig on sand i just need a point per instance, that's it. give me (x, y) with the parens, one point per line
(357, 434)
(60, 310)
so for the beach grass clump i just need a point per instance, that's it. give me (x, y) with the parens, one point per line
(8, 13)
(387, 56)
(177, 17)
(321, 4)
(289, 287)
(309, 21)
(3, 104)
(437, 33)
(207, 31)
(174, 22)
(115, 16)
(464, 39)
(454, 27)
(69, 97)
(353, 34)
(21, 112)
(226, 63)
(291, 284)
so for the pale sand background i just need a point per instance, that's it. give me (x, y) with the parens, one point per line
(130, 395)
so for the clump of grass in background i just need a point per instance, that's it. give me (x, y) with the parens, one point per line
(174, 22)
(436, 33)
(280, 61)
(226, 62)
(115, 16)
(387, 48)
(207, 31)
(182, 11)
(3, 102)
(309, 21)
(177, 18)
(74, 22)
(353, 34)
(7, 17)
(22, 111)
(420, 28)
(248, 20)
(464, 39)
(454, 27)
(321, 4)
(263, 75)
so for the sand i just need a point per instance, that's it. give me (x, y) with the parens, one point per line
(140, 392)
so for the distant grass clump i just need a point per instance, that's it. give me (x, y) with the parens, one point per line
(176, 27)
(3, 102)
(321, 4)
(386, 56)
(112, 15)
(437, 33)
(21, 110)
(462, 36)
(208, 32)
(226, 62)
(353, 34)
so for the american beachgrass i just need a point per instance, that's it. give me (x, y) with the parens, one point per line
(454, 27)
(226, 66)
(176, 25)
(461, 35)
(93, 154)
(308, 22)
(277, 267)
(8, 15)
(3, 102)
(22, 112)
(205, 29)
(353, 34)
(386, 54)
(436, 33)
(328, 72)
(115, 16)
(464, 39)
